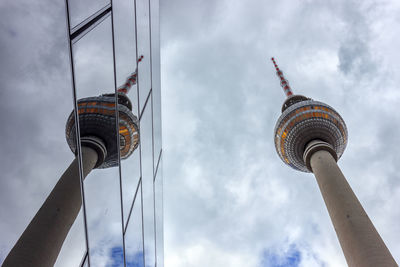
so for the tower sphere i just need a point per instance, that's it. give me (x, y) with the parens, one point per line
(97, 120)
(303, 120)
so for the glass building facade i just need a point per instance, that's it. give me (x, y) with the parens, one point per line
(121, 220)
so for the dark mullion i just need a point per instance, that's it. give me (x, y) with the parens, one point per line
(133, 203)
(88, 24)
(77, 132)
(83, 259)
(145, 104)
(117, 130)
(158, 162)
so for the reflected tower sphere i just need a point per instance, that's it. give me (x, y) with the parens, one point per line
(310, 136)
(97, 121)
(41, 242)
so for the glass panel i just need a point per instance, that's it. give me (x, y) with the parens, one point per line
(124, 22)
(158, 195)
(33, 113)
(155, 72)
(156, 93)
(74, 245)
(147, 185)
(97, 122)
(143, 47)
(130, 170)
(93, 62)
(80, 10)
(125, 41)
(134, 235)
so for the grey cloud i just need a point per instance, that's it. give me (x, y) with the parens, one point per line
(354, 52)
(354, 57)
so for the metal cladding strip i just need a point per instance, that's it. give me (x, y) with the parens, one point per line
(89, 24)
(130, 81)
(284, 82)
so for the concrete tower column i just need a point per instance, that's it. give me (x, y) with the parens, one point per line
(361, 243)
(41, 242)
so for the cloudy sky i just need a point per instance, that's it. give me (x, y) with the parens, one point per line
(228, 200)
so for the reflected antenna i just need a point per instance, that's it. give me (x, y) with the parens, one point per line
(130, 81)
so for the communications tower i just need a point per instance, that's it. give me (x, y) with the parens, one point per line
(310, 136)
(41, 242)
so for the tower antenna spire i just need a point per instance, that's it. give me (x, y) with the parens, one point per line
(131, 80)
(284, 82)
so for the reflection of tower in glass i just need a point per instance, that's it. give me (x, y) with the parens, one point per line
(97, 121)
(40, 243)
(311, 136)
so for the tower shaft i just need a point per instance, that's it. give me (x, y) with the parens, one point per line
(360, 242)
(42, 240)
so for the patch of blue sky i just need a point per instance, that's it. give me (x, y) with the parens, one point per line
(290, 258)
(117, 260)
(117, 257)
(136, 260)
